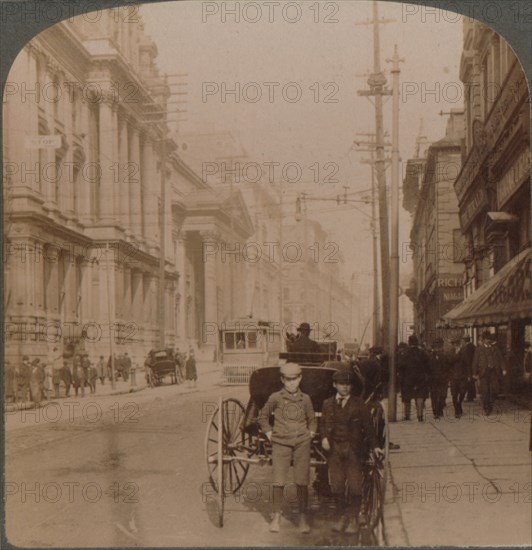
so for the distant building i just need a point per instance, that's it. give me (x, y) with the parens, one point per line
(435, 238)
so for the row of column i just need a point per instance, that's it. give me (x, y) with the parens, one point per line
(128, 188)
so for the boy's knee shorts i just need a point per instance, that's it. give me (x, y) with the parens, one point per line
(282, 457)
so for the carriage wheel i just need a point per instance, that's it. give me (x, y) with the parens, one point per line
(224, 436)
(375, 482)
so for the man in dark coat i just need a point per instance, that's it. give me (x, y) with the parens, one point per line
(489, 367)
(414, 374)
(439, 377)
(468, 352)
(459, 376)
(37, 377)
(21, 376)
(191, 374)
(304, 345)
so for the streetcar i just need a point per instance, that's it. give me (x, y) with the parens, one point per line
(246, 345)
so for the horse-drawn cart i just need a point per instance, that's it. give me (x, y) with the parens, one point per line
(161, 363)
(234, 441)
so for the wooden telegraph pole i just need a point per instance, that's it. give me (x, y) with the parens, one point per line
(394, 256)
(377, 84)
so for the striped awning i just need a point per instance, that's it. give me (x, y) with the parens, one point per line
(506, 296)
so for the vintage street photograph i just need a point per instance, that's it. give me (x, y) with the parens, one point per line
(266, 274)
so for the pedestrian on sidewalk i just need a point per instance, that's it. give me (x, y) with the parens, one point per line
(439, 377)
(468, 352)
(191, 373)
(100, 369)
(488, 368)
(37, 378)
(348, 436)
(22, 376)
(293, 429)
(414, 373)
(460, 374)
(9, 381)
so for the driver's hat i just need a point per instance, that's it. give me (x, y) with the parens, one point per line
(290, 370)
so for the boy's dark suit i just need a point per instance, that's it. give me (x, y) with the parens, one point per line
(350, 433)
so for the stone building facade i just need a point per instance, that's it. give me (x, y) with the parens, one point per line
(435, 238)
(85, 201)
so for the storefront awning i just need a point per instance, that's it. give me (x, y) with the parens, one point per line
(507, 295)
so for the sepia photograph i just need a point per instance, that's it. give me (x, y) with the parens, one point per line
(266, 273)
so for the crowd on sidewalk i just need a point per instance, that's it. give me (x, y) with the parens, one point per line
(466, 369)
(36, 381)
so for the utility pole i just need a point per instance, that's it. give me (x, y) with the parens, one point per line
(376, 298)
(377, 83)
(162, 247)
(394, 256)
(108, 283)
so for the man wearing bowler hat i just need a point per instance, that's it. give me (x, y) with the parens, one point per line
(304, 344)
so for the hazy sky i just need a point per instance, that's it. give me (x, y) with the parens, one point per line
(325, 60)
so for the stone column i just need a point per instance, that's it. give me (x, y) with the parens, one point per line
(107, 163)
(208, 332)
(84, 183)
(181, 287)
(150, 193)
(124, 176)
(47, 156)
(135, 187)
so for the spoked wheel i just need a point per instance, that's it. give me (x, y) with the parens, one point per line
(374, 488)
(223, 442)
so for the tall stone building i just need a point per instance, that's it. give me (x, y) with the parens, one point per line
(85, 201)
(435, 237)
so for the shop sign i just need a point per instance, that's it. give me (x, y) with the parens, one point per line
(453, 296)
(513, 178)
(52, 141)
(478, 201)
(449, 282)
(514, 289)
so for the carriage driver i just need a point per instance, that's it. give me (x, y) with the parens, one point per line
(294, 427)
(347, 432)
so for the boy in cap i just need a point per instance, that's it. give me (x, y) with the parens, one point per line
(293, 429)
(348, 435)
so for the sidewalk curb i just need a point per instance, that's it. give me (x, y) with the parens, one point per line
(395, 534)
(12, 407)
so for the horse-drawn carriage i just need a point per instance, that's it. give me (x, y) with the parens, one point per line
(161, 363)
(234, 440)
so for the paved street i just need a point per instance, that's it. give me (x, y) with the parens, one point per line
(135, 475)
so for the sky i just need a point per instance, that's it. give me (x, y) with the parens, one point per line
(319, 54)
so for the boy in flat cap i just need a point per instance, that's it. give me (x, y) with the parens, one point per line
(348, 435)
(293, 429)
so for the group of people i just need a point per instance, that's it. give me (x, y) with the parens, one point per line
(430, 372)
(346, 435)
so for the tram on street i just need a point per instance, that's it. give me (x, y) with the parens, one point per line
(246, 345)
